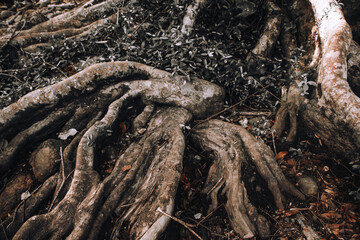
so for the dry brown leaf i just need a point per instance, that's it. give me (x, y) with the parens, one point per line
(336, 231)
(331, 215)
(335, 228)
(290, 162)
(125, 168)
(109, 170)
(291, 212)
(281, 155)
(123, 127)
(352, 220)
(330, 191)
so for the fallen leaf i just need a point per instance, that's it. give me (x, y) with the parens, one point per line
(66, 134)
(109, 170)
(331, 215)
(330, 191)
(323, 197)
(123, 127)
(290, 162)
(186, 186)
(352, 220)
(335, 231)
(125, 168)
(291, 212)
(70, 69)
(281, 155)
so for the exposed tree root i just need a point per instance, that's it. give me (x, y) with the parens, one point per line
(271, 33)
(190, 17)
(71, 23)
(145, 176)
(334, 115)
(28, 207)
(146, 170)
(197, 96)
(233, 146)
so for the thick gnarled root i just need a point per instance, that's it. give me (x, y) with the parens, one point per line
(200, 97)
(74, 23)
(233, 146)
(145, 175)
(332, 110)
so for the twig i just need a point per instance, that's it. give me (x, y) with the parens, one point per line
(24, 207)
(15, 212)
(14, 34)
(226, 109)
(58, 191)
(55, 68)
(214, 233)
(5, 181)
(236, 104)
(62, 163)
(19, 69)
(18, 206)
(209, 214)
(218, 182)
(9, 75)
(255, 113)
(62, 6)
(117, 17)
(145, 19)
(266, 90)
(181, 222)
(145, 197)
(308, 232)
(4, 230)
(273, 142)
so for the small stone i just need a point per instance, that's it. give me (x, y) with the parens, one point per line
(6, 13)
(308, 185)
(11, 196)
(44, 159)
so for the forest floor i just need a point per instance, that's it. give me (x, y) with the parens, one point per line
(216, 51)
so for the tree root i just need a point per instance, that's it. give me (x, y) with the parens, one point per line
(190, 17)
(145, 176)
(73, 22)
(153, 176)
(233, 146)
(146, 173)
(335, 36)
(28, 207)
(198, 96)
(271, 32)
(333, 112)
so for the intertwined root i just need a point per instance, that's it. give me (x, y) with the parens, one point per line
(75, 23)
(144, 178)
(145, 175)
(156, 86)
(233, 146)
